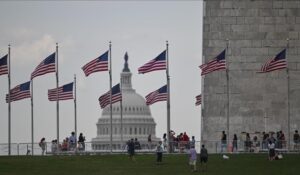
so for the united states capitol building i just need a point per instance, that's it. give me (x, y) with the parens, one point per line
(137, 121)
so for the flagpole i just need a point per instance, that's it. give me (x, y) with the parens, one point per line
(168, 100)
(9, 104)
(227, 80)
(288, 96)
(202, 108)
(121, 115)
(110, 87)
(57, 101)
(32, 128)
(75, 108)
(121, 106)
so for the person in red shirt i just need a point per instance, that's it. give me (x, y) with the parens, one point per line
(185, 139)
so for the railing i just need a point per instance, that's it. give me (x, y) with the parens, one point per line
(176, 147)
(249, 146)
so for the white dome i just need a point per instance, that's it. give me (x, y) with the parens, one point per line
(133, 104)
(136, 121)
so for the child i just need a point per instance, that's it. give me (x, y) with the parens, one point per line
(271, 147)
(159, 152)
(193, 158)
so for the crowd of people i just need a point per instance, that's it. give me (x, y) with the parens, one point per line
(274, 143)
(258, 142)
(180, 142)
(69, 144)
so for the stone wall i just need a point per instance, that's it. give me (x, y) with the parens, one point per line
(257, 31)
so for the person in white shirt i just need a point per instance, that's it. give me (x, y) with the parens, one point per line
(271, 147)
(72, 141)
(159, 152)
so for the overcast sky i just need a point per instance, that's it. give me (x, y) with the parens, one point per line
(83, 31)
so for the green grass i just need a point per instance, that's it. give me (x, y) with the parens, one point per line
(243, 164)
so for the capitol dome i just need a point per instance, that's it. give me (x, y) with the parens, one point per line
(134, 121)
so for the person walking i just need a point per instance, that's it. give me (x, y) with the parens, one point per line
(159, 152)
(247, 143)
(223, 142)
(165, 141)
(43, 145)
(296, 139)
(72, 142)
(193, 142)
(131, 149)
(149, 142)
(271, 147)
(81, 144)
(234, 143)
(203, 157)
(193, 159)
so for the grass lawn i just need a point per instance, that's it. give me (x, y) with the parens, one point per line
(243, 164)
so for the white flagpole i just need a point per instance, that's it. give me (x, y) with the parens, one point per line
(57, 100)
(75, 108)
(110, 87)
(9, 104)
(288, 97)
(227, 79)
(168, 99)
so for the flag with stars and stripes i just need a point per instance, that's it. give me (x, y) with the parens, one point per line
(218, 63)
(158, 63)
(97, 65)
(19, 92)
(46, 66)
(160, 94)
(64, 92)
(116, 96)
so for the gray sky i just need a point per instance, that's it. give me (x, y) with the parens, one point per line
(83, 30)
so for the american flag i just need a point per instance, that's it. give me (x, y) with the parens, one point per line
(3, 65)
(46, 66)
(159, 95)
(97, 65)
(279, 62)
(104, 100)
(19, 92)
(64, 93)
(218, 63)
(158, 63)
(198, 100)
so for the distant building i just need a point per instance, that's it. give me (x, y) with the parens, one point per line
(137, 120)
